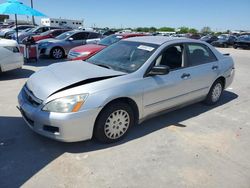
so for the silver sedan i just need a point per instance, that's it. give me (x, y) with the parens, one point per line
(121, 86)
(59, 47)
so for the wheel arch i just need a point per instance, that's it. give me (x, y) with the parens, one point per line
(64, 52)
(126, 100)
(222, 79)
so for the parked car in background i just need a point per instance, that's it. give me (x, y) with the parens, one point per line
(209, 38)
(86, 51)
(194, 36)
(32, 32)
(9, 31)
(59, 47)
(124, 84)
(109, 32)
(49, 34)
(242, 42)
(224, 41)
(10, 57)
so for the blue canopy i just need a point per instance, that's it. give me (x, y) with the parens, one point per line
(18, 8)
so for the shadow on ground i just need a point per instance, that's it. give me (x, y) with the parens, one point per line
(44, 61)
(24, 153)
(16, 74)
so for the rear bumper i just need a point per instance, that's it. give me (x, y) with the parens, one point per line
(65, 127)
(12, 66)
(230, 78)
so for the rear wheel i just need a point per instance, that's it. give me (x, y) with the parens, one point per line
(114, 122)
(215, 93)
(57, 53)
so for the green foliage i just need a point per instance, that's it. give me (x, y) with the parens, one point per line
(193, 31)
(206, 30)
(167, 29)
(183, 30)
(146, 29)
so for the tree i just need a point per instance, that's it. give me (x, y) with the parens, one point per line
(167, 29)
(183, 30)
(206, 30)
(193, 30)
(152, 29)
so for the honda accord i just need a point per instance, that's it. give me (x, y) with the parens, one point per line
(122, 85)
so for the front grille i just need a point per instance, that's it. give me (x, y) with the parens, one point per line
(29, 96)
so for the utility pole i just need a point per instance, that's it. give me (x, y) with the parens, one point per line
(33, 19)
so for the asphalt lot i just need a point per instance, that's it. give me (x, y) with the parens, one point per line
(197, 146)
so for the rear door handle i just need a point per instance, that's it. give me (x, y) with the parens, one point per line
(185, 76)
(215, 67)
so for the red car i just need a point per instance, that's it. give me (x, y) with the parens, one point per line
(86, 51)
(49, 34)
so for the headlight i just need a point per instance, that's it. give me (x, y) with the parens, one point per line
(66, 104)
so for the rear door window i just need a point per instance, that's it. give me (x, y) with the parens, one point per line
(80, 36)
(94, 35)
(199, 54)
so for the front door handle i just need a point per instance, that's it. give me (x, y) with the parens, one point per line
(215, 67)
(185, 76)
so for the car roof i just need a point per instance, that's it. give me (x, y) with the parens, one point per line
(159, 40)
(124, 35)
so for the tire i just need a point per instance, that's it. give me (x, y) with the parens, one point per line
(114, 122)
(57, 53)
(215, 93)
(235, 47)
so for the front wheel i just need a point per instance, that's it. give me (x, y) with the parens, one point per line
(57, 53)
(114, 122)
(215, 93)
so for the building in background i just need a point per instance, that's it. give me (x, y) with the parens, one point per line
(58, 22)
(3, 17)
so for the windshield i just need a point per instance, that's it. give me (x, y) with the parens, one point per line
(223, 37)
(205, 38)
(65, 35)
(244, 37)
(125, 56)
(46, 33)
(110, 40)
(28, 29)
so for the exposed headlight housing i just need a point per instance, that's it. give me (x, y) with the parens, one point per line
(66, 104)
(83, 54)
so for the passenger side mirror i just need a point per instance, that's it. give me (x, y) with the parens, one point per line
(159, 70)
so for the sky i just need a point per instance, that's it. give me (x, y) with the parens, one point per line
(217, 14)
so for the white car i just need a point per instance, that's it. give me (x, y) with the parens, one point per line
(10, 56)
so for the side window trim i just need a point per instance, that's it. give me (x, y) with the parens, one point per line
(161, 52)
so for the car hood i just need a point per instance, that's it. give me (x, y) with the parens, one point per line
(62, 76)
(88, 48)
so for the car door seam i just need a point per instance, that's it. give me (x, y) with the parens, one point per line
(155, 103)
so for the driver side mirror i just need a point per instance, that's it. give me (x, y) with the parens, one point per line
(159, 70)
(70, 39)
